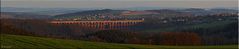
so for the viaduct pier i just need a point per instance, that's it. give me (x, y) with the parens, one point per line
(100, 24)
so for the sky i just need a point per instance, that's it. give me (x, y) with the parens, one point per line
(119, 3)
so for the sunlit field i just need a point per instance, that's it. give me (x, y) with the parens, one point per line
(16, 41)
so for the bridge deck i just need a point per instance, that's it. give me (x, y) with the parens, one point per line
(123, 21)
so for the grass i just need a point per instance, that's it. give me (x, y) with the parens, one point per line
(17, 41)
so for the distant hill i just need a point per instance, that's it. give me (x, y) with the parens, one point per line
(42, 11)
(89, 13)
(22, 15)
(146, 13)
(200, 11)
(110, 12)
(17, 41)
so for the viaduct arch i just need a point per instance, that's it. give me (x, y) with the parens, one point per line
(102, 24)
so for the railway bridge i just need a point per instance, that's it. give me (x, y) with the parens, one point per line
(101, 24)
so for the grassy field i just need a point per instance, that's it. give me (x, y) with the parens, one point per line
(17, 41)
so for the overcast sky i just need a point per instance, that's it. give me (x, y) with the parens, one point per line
(119, 3)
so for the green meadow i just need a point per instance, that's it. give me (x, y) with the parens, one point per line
(17, 41)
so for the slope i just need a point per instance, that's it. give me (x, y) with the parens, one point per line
(17, 41)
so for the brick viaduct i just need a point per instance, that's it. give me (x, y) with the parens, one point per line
(102, 24)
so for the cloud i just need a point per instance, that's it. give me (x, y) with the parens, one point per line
(117, 4)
